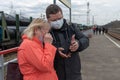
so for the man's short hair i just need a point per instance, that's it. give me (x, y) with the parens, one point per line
(52, 9)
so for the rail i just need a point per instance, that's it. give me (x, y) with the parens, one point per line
(2, 63)
(114, 33)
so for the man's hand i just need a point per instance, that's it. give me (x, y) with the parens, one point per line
(74, 44)
(63, 55)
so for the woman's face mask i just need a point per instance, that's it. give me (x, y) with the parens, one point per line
(41, 38)
(57, 24)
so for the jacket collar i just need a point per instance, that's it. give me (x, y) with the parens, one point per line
(33, 39)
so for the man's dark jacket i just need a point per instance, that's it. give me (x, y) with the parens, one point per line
(68, 68)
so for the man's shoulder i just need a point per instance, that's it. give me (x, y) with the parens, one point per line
(73, 26)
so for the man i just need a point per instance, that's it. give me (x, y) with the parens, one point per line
(69, 42)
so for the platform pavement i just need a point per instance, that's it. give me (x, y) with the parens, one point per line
(101, 60)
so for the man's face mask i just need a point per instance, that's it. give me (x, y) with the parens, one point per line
(57, 24)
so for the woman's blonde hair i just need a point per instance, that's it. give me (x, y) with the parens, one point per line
(36, 23)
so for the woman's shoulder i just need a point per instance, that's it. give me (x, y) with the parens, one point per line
(26, 43)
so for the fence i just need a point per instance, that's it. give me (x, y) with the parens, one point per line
(114, 33)
(2, 63)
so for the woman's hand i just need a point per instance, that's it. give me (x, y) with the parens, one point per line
(48, 38)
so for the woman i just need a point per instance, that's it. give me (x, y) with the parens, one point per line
(36, 53)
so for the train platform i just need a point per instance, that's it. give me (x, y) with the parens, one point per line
(101, 60)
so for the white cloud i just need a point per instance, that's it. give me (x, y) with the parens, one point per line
(103, 10)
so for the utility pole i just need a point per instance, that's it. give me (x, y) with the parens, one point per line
(93, 22)
(88, 12)
(12, 11)
(54, 1)
(70, 14)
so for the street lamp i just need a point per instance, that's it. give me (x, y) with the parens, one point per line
(54, 1)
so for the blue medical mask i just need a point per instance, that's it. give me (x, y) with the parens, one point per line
(41, 39)
(57, 24)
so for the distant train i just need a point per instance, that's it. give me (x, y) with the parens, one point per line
(10, 36)
(10, 40)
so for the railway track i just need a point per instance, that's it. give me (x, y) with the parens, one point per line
(114, 33)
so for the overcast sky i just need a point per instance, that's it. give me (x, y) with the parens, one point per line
(104, 11)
